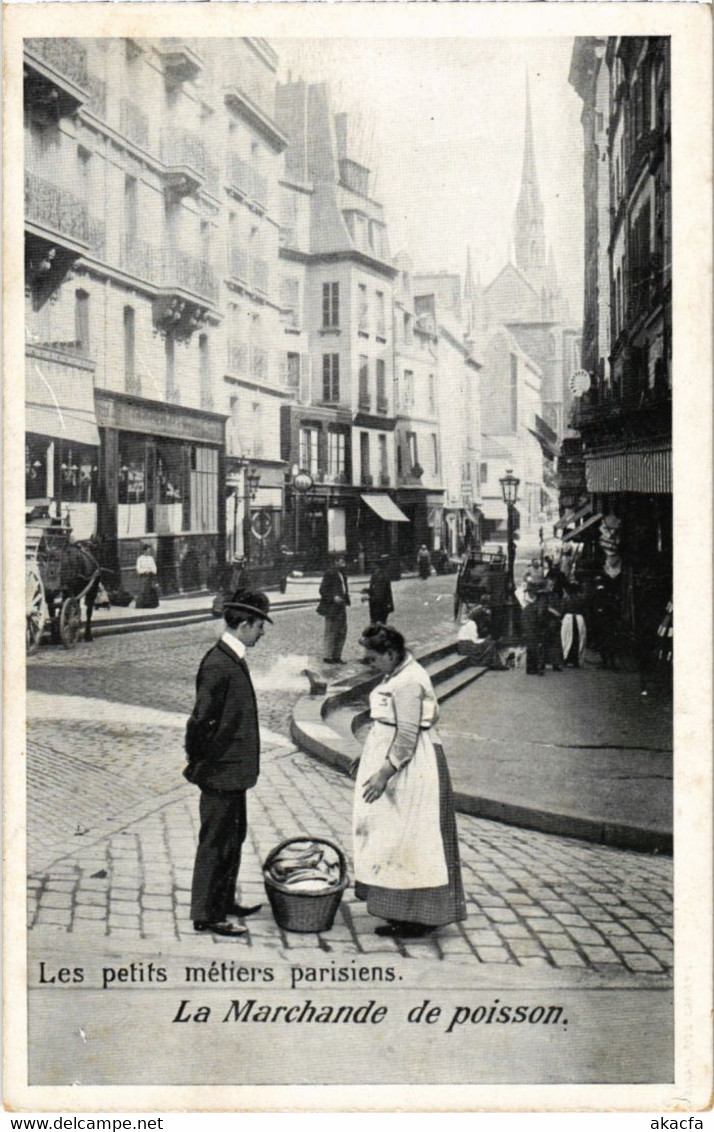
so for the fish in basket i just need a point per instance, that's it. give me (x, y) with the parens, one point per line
(305, 878)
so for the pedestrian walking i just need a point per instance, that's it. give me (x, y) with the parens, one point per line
(223, 749)
(334, 599)
(148, 595)
(406, 850)
(423, 562)
(379, 592)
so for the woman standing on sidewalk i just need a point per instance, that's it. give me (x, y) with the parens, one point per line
(405, 842)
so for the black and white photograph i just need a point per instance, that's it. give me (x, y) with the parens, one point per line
(343, 728)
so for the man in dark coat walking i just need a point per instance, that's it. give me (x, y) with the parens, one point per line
(334, 599)
(379, 592)
(223, 749)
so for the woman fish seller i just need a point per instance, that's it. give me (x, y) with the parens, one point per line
(405, 842)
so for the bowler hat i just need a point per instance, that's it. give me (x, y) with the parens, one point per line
(255, 603)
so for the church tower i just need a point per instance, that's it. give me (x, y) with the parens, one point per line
(529, 228)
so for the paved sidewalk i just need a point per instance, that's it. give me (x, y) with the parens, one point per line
(579, 752)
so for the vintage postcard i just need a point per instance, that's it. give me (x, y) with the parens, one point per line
(350, 760)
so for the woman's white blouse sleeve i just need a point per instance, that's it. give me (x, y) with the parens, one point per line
(408, 700)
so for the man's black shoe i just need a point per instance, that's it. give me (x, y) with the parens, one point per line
(243, 910)
(219, 927)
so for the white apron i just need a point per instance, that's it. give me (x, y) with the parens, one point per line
(397, 839)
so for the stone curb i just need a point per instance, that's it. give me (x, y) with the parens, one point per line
(311, 730)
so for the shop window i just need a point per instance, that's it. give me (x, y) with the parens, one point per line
(168, 510)
(132, 470)
(36, 467)
(203, 489)
(75, 472)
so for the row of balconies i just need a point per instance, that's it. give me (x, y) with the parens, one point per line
(169, 268)
(245, 179)
(253, 271)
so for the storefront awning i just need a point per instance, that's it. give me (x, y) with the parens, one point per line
(385, 507)
(62, 424)
(647, 471)
(59, 395)
(548, 448)
(586, 528)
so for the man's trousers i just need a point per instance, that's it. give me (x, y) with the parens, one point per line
(223, 830)
(335, 633)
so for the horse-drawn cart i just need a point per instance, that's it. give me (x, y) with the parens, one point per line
(58, 575)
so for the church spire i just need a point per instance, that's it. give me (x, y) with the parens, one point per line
(528, 226)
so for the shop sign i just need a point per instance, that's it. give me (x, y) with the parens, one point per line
(303, 482)
(261, 524)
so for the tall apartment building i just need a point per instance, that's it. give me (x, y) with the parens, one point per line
(337, 287)
(441, 302)
(624, 419)
(419, 448)
(152, 312)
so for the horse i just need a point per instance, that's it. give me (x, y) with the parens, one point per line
(80, 576)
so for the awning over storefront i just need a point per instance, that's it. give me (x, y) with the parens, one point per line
(59, 396)
(385, 507)
(62, 424)
(586, 529)
(645, 470)
(573, 517)
(547, 438)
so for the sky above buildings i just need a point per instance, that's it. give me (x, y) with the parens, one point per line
(441, 122)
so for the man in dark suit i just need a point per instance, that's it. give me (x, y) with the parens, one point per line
(223, 749)
(334, 599)
(381, 603)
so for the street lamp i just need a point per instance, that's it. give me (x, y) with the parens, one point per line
(509, 486)
(251, 483)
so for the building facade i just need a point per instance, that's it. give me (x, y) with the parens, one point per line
(624, 417)
(122, 213)
(335, 263)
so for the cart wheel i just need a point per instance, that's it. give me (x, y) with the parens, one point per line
(70, 622)
(35, 610)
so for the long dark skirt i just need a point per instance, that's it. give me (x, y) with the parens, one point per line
(432, 906)
(148, 595)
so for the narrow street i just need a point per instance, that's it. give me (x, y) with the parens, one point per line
(112, 825)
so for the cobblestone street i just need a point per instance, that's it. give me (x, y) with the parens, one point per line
(112, 825)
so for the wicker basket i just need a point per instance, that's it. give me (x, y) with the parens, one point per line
(304, 911)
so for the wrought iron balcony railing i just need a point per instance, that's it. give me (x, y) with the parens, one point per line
(186, 272)
(66, 56)
(97, 101)
(139, 258)
(52, 207)
(134, 123)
